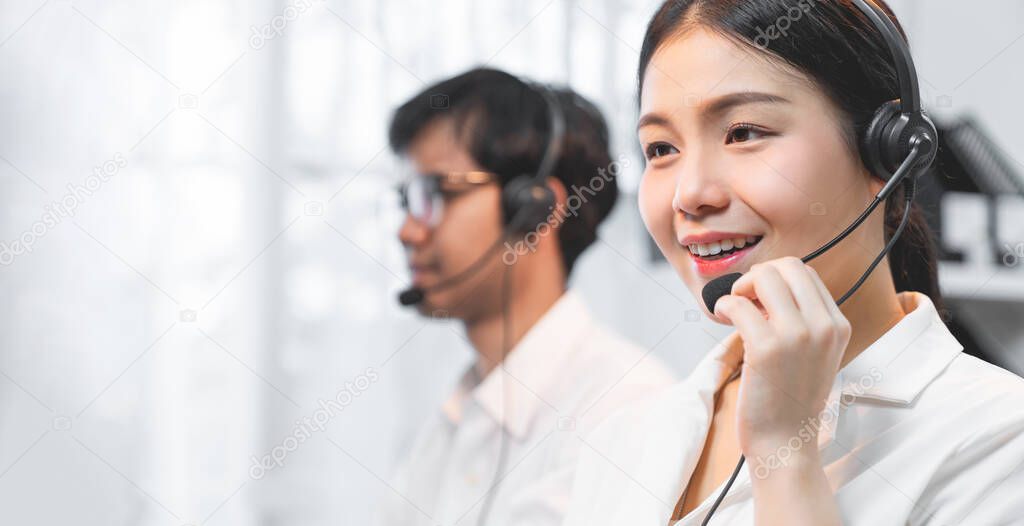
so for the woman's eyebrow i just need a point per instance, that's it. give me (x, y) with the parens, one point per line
(716, 107)
(653, 119)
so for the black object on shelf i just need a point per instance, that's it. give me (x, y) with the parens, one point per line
(969, 161)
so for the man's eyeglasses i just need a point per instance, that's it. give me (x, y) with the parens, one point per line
(423, 196)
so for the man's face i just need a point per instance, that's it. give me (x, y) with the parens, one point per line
(469, 225)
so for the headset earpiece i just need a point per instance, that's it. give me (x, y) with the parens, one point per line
(526, 200)
(871, 144)
(889, 139)
(525, 203)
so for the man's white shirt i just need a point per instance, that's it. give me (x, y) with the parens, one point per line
(564, 376)
(915, 432)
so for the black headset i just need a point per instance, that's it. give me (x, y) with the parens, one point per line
(898, 125)
(899, 145)
(527, 199)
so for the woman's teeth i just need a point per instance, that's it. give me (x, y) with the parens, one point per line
(718, 247)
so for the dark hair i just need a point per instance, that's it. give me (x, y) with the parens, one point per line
(848, 60)
(505, 125)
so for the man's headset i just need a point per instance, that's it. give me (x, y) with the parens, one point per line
(899, 145)
(526, 201)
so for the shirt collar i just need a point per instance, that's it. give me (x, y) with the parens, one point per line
(514, 392)
(894, 368)
(900, 364)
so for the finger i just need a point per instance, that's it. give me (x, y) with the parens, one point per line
(764, 283)
(817, 316)
(801, 285)
(826, 295)
(741, 313)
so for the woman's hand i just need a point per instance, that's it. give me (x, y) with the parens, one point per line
(794, 337)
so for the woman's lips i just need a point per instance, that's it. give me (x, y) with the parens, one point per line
(717, 267)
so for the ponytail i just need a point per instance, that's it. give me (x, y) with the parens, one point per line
(913, 259)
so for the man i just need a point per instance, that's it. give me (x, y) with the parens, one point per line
(503, 448)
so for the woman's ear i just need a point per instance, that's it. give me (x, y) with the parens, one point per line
(874, 183)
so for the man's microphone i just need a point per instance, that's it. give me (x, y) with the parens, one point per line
(722, 285)
(411, 296)
(416, 295)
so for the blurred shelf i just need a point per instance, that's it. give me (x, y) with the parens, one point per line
(982, 283)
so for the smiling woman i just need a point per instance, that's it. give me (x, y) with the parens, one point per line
(758, 148)
(746, 161)
(837, 97)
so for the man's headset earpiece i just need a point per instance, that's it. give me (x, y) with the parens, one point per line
(526, 200)
(525, 203)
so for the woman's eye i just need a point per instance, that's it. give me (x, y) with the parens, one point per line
(659, 149)
(742, 133)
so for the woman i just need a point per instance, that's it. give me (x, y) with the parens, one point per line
(868, 413)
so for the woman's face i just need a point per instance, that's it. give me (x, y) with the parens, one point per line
(743, 152)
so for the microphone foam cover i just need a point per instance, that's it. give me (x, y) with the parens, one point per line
(718, 287)
(410, 296)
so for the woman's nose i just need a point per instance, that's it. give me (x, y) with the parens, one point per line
(699, 190)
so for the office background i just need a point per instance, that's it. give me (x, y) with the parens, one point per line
(229, 263)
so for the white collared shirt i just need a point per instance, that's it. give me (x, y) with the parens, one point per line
(914, 432)
(563, 377)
